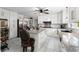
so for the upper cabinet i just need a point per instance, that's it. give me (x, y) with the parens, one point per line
(43, 17)
(49, 17)
(59, 17)
(65, 15)
(74, 14)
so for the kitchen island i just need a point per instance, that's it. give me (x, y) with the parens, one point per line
(46, 40)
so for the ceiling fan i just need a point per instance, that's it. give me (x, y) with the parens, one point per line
(41, 10)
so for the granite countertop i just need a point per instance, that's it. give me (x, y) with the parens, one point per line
(76, 34)
(68, 34)
(35, 31)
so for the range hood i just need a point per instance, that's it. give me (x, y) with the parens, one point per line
(47, 24)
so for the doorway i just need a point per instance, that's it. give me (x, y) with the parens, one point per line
(18, 28)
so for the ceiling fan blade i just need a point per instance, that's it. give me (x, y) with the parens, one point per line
(36, 10)
(41, 8)
(46, 10)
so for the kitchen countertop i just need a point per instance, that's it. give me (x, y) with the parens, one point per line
(70, 39)
(41, 36)
(35, 31)
(76, 34)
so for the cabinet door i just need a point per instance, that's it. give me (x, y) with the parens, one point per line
(77, 14)
(74, 11)
(65, 15)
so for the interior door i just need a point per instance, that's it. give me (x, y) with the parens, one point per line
(17, 27)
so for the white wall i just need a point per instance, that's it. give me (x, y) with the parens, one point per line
(4, 14)
(12, 21)
(13, 24)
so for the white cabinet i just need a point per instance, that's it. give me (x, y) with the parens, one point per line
(43, 17)
(49, 17)
(74, 14)
(65, 39)
(74, 17)
(59, 17)
(77, 14)
(65, 15)
(74, 41)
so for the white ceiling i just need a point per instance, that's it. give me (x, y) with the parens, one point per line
(29, 11)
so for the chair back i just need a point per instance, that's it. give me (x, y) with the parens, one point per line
(25, 37)
(26, 41)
